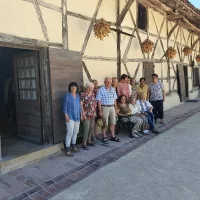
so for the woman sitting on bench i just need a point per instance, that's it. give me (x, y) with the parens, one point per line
(125, 116)
(146, 109)
(135, 111)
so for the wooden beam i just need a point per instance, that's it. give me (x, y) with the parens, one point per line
(172, 17)
(118, 44)
(137, 69)
(173, 29)
(195, 42)
(159, 32)
(91, 27)
(86, 71)
(100, 58)
(47, 5)
(128, 46)
(136, 29)
(122, 32)
(64, 24)
(126, 69)
(122, 15)
(40, 18)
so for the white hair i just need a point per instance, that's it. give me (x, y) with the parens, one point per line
(108, 78)
(89, 84)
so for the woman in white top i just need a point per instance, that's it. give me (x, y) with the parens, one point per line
(135, 111)
(145, 108)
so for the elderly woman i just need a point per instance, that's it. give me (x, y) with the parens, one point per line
(135, 112)
(125, 115)
(143, 88)
(73, 113)
(89, 105)
(133, 88)
(145, 108)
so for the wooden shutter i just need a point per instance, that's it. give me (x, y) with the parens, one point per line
(148, 70)
(65, 67)
(181, 83)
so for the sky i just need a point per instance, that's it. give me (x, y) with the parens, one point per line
(196, 3)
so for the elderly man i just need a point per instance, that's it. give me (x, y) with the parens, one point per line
(106, 98)
(157, 97)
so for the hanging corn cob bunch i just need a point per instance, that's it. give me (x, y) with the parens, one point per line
(101, 29)
(147, 46)
(171, 53)
(187, 51)
(198, 58)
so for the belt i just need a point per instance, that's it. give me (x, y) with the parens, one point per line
(107, 105)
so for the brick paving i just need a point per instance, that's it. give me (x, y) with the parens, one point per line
(55, 173)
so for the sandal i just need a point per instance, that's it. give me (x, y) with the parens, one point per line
(91, 144)
(105, 140)
(68, 153)
(115, 139)
(85, 147)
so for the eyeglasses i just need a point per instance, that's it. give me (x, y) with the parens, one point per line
(73, 87)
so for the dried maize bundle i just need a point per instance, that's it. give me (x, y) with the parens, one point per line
(171, 53)
(147, 46)
(187, 51)
(198, 58)
(101, 29)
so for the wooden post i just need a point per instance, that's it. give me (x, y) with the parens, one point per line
(0, 149)
(118, 44)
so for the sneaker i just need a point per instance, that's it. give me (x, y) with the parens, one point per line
(146, 132)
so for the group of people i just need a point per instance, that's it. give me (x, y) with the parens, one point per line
(124, 100)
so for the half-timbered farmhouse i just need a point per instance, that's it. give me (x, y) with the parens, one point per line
(45, 44)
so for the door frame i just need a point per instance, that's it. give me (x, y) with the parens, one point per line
(11, 41)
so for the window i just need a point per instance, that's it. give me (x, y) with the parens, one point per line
(142, 17)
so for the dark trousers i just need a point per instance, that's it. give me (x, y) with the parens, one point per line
(158, 109)
(150, 120)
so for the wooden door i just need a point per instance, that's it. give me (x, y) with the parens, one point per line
(65, 67)
(148, 70)
(181, 83)
(185, 69)
(28, 109)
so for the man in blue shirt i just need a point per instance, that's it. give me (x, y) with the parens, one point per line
(106, 98)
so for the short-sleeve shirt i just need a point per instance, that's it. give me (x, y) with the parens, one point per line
(156, 91)
(107, 97)
(89, 104)
(143, 89)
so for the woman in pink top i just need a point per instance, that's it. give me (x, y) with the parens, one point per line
(123, 88)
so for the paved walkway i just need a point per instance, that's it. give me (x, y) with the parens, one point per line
(166, 168)
(57, 172)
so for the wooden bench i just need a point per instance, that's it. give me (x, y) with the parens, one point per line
(125, 125)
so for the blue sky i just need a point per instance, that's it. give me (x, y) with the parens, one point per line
(196, 3)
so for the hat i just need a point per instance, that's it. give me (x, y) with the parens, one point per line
(101, 123)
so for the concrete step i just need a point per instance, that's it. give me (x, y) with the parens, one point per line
(7, 165)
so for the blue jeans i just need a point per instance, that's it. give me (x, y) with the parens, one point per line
(150, 118)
